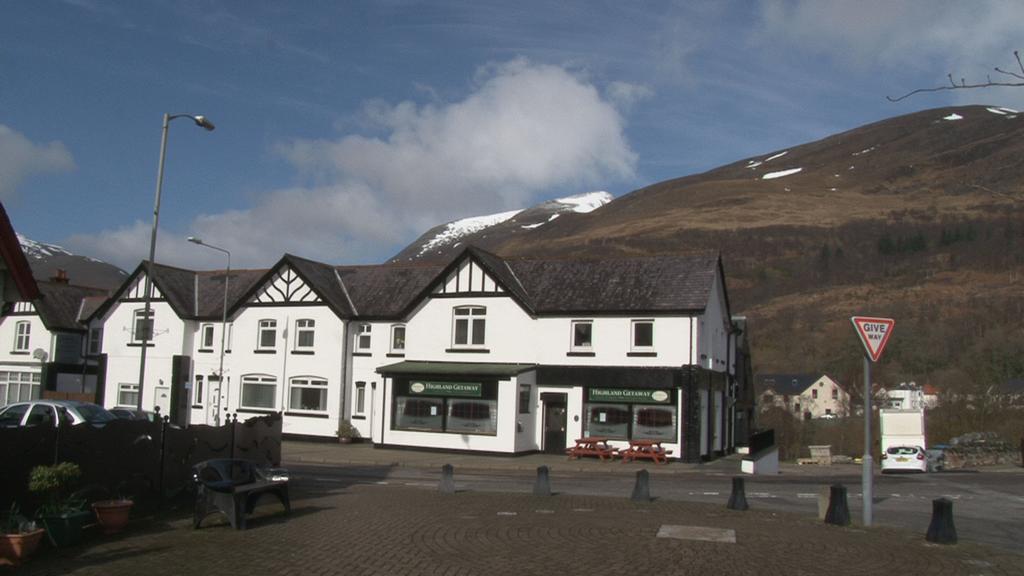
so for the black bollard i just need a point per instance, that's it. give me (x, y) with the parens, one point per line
(941, 530)
(447, 479)
(642, 489)
(542, 487)
(838, 512)
(738, 498)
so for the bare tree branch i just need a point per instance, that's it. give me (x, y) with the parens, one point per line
(963, 85)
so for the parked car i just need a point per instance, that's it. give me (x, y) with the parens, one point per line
(47, 412)
(133, 414)
(904, 459)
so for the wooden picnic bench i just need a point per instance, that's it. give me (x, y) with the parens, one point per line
(232, 487)
(592, 446)
(645, 450)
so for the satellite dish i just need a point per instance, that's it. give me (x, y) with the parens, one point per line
(40, 354)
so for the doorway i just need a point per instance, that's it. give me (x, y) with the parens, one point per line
(554, 422)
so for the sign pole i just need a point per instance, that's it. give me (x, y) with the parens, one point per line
(866, 473)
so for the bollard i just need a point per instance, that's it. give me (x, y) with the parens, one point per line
(447, 479)
(642, 489)
(838, 512)
(542, 487)
(941, 530)
(738, 498)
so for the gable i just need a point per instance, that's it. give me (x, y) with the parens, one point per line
(137, 291)
(285, 287)
(468, 278)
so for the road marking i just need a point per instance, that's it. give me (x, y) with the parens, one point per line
(508, 513)
(762, 495)
(582, 509)
(544, 511)
(711, 493)
(806, 495)
(697, 533)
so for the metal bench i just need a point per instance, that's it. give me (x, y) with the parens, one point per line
(232, 487)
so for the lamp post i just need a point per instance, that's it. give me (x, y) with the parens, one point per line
(223, 322)
(147, 295)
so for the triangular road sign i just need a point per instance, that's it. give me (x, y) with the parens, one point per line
(874, 333)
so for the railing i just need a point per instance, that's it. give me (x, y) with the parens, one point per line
(148, 461)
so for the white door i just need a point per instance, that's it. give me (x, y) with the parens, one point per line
(163, 399)
(212, 404)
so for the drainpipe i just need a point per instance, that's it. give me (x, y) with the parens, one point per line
(346, 366)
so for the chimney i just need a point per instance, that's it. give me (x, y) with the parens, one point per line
(61, 277)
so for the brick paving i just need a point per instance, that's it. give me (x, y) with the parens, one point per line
(386, 529)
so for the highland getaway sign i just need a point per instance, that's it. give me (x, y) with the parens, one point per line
(464, 389)
(630, 396)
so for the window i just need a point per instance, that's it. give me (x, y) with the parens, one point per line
(267, 335)
(304, 331)
(307, 393)
(19, 387)
(582, 334)
(128, 395)
(814, 394)
(524, 399)
(470, 325)
(227, 345)
(259, 391)
(449, 407)
(654, 422)
(96, 340)
(142, 327)
(197, 392)
(643, 334)
(608, 420)
(206, 336)
(398, 339)
(359, 407)
(24, 330)
(363, 338)
(835, 393)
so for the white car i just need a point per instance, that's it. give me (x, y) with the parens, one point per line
(904, 459)
(46, 412)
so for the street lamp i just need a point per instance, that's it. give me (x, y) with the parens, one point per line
(147, 297)
(223, 322)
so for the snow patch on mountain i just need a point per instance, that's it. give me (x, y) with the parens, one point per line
(584, 203)
(453, 231)
(780, 174)
(39, 250)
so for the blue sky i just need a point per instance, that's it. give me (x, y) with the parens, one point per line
(346, 129)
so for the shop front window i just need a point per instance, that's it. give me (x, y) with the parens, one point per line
(420, 414)
(608, 420)
(450, 407)
(631, 414)
(654, 422)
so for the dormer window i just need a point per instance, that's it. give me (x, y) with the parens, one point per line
(470, 325)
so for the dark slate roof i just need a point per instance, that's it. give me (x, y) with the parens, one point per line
(59, 305)
(641, 284)
(211, 290)
(386, 291)
(14, 261)
(324, 279)
(784, 384)
(178, 287)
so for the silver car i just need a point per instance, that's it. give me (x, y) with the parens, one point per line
(50, 413)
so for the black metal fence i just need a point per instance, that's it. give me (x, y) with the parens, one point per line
(147, 461)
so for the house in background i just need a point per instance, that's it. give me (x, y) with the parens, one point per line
(806, 396)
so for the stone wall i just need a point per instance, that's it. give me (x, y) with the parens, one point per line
(978, 449)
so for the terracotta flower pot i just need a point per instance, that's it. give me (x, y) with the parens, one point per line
(16, 548)
(112, 515)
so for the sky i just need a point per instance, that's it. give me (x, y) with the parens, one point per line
(344, 130)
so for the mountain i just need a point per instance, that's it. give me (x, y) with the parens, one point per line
(917, 217)
(441, 242)
(47, 259)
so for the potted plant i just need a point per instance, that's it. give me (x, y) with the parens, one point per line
(61, 514)
(19, 537)
(346, 432)
(112, 515)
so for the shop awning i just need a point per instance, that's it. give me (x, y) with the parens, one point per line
(610, 377)
(412, 367)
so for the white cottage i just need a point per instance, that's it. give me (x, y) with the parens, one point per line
(485, 354)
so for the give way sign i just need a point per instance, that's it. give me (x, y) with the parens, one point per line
(874, 333)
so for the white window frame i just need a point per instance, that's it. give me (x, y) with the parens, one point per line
(364, 337)
(19, 381)
(308, 382)
(305, 326)
(95, 344)
(395, 348)
(359, 399)
(573, 346)
(129, 388)
(197, 391)
(206, 334)
(23, 336)
(633, 325)
(266, 325)
(471, 316)
(257, 380)
(138, 316)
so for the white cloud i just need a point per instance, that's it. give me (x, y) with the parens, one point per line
(905, 35)
(20, 159)
(525, 129)
(627, 95)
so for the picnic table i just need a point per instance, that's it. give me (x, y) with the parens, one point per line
(592, 446)
(647, 450)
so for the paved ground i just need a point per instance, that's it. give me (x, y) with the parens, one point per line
(369, 528)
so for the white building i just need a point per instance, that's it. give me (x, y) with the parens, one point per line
(485, 354)
(806, 396)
